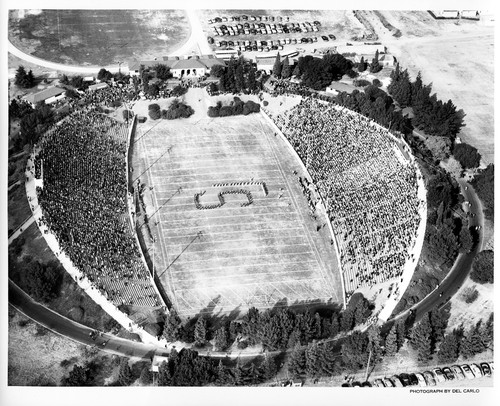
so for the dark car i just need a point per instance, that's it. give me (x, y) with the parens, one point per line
(486, 369)
(324, 38)
(448, 374)
(405, 379)
(303, 40)
(331, 36)
(356, 384)
(316, 23)
(413, 380)
(366, 384)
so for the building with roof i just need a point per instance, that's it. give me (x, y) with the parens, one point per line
(48, 96)
(265, 64)
(98, 86)
(189, 66)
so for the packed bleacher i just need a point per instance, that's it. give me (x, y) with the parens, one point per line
(369, 188)
(84, 203)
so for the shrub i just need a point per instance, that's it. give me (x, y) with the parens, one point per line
(482, 267)
(467, 155)
(361, 82)
(377, 83)
(242, 345)
(265, 103)
(470, 294)
(154, 106)
(128, 114)
(155, 114)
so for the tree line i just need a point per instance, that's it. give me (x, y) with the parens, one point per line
(235, 108)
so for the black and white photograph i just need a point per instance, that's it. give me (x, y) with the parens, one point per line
(212, 203)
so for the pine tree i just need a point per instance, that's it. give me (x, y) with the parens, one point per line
(391, 342)
(487, 333)
(221, 374)
(317, 333)
(312, 359)
(172, 326)
(286, 70)
(221, 339)
(294, 338)
(145, 377)
(251, 83)
(125, 373)
(401, 333)
(335, 325)
(164, 377)
(30, 79)
(296, 361)
(239, 78)
(375, 65)
(466, 241)
(277, 66)
(296, 71)
(20, 76)
(421, 338)
(347, 319)
(362, 65)
(200, 331)
(416, 87)
(269, 367)
(472, 343)
(448, 350)
(238, 373)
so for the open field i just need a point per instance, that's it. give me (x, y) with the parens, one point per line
(232, 257)
(97, 37)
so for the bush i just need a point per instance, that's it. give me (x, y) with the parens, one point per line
(377, 83)
(242, 345)
(155, 114)
(361, 82)
(470, 294)
(467, 155)
(482, 267)
(265, 103)
(128, 114)
(154, 106)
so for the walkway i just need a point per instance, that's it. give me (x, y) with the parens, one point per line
(21, 229)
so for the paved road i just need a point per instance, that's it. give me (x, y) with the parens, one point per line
(460, 270)
(76, 331)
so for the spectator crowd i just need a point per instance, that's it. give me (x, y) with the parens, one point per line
(84, 204)
(369, 188)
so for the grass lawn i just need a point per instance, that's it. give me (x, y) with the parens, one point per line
(18, 206)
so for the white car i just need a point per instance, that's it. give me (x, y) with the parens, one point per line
(476, 370)
(421, 379)
(467, 371)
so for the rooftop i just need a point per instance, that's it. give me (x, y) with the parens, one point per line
(44, 94)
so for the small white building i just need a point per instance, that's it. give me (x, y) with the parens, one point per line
(265, 64)
(49, 95)
(98, 86)
(157, 360)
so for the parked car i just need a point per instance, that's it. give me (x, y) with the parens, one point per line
(331, 36)
(356, 384)
(458, 372)
(366, 384)
(429, 378)
(486, 369)
(324, 38)
(448, 374)
(396, 381)
(405, 379)
(388, 383)
(413, 379)
(421, 379)
(476, 370)
(491, 363)
(467, 371)
(439, 375)
(379, 383)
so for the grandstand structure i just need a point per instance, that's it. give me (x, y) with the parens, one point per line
(370, 184)
(84, 201)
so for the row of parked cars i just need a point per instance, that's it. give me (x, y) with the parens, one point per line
(262, 28)
(244, 17)
(430, 378)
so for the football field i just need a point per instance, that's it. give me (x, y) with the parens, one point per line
(233, 227)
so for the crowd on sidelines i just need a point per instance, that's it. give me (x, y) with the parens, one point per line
(370, 190)
(84, 204)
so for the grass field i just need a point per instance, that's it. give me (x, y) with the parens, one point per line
(98, 37)
(232, 257)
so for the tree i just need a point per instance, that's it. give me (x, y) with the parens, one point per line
(362, 65)
(375, 65)
(104, 75)
(22, 79)
(401, 332)
(286, 70)
(217, 71)
(448, 350)
(78, 376)
(296, 361)
(239, 79)
(421, 338)
(483, 267)
(221, 374)
(472, 343)
(171, 330)
(355, 350)
(391, 342)
(238, 373)
(484, 184)
(43, 281)
(467, 155)
(125, 377)
(164, 377)
(251, 82)
(465, 238)
(145, 377)
(312, 359)
(221, 339)
(200, 331)
(269, 367)
(439, 146)
(277, 66)
(162, 72)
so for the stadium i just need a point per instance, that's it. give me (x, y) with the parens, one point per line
(301, 207)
